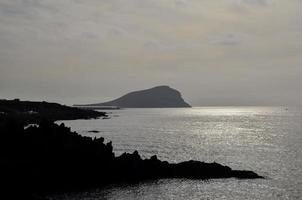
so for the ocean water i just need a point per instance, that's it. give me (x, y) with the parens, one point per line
(267, 140)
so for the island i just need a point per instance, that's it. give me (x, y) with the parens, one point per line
(156, 97)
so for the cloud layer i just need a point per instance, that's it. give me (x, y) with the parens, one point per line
(226, 52)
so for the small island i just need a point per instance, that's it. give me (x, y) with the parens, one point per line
(157, 97)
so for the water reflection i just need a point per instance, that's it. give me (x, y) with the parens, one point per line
(264, 139)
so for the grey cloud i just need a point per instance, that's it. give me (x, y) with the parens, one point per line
(225, 39)
(256, 2)
(196, 46)
(151, 45)
(89, 36)
(181, 2)
(26, 9)
(116, 32)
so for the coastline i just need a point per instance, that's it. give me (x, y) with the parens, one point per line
(30, 112)
(50, 158)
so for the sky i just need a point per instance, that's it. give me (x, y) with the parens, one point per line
(216, 53)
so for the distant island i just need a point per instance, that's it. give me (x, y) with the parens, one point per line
(157, 97)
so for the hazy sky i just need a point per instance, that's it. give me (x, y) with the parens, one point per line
(216, 52)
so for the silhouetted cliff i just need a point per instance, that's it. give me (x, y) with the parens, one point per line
(49, 158)
(33, 112)
(157, 97)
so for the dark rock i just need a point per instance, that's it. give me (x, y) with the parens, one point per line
(50, 158)
(29, 112)
(93, 131)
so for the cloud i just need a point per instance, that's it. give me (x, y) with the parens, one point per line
(256, 2)
(225, 39)
(194, 43)
(181, 3)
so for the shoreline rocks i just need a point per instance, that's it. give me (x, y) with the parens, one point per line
(50, 158)
(30, 112)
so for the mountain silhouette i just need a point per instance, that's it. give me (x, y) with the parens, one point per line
(157, 97)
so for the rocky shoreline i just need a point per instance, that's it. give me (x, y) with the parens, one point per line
(30, 112)
(51, 158)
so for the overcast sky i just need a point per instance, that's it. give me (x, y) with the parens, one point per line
(216, 52)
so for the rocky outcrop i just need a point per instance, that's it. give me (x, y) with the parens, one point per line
(33, 112)
(49, 157)
(157, 97)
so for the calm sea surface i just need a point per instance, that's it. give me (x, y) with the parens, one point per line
(267, 140)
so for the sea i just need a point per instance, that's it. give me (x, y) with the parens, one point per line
(267, 140)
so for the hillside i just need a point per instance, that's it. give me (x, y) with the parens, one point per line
(157, 97)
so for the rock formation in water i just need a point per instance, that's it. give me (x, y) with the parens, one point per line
(157, 97)
(51, 158)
